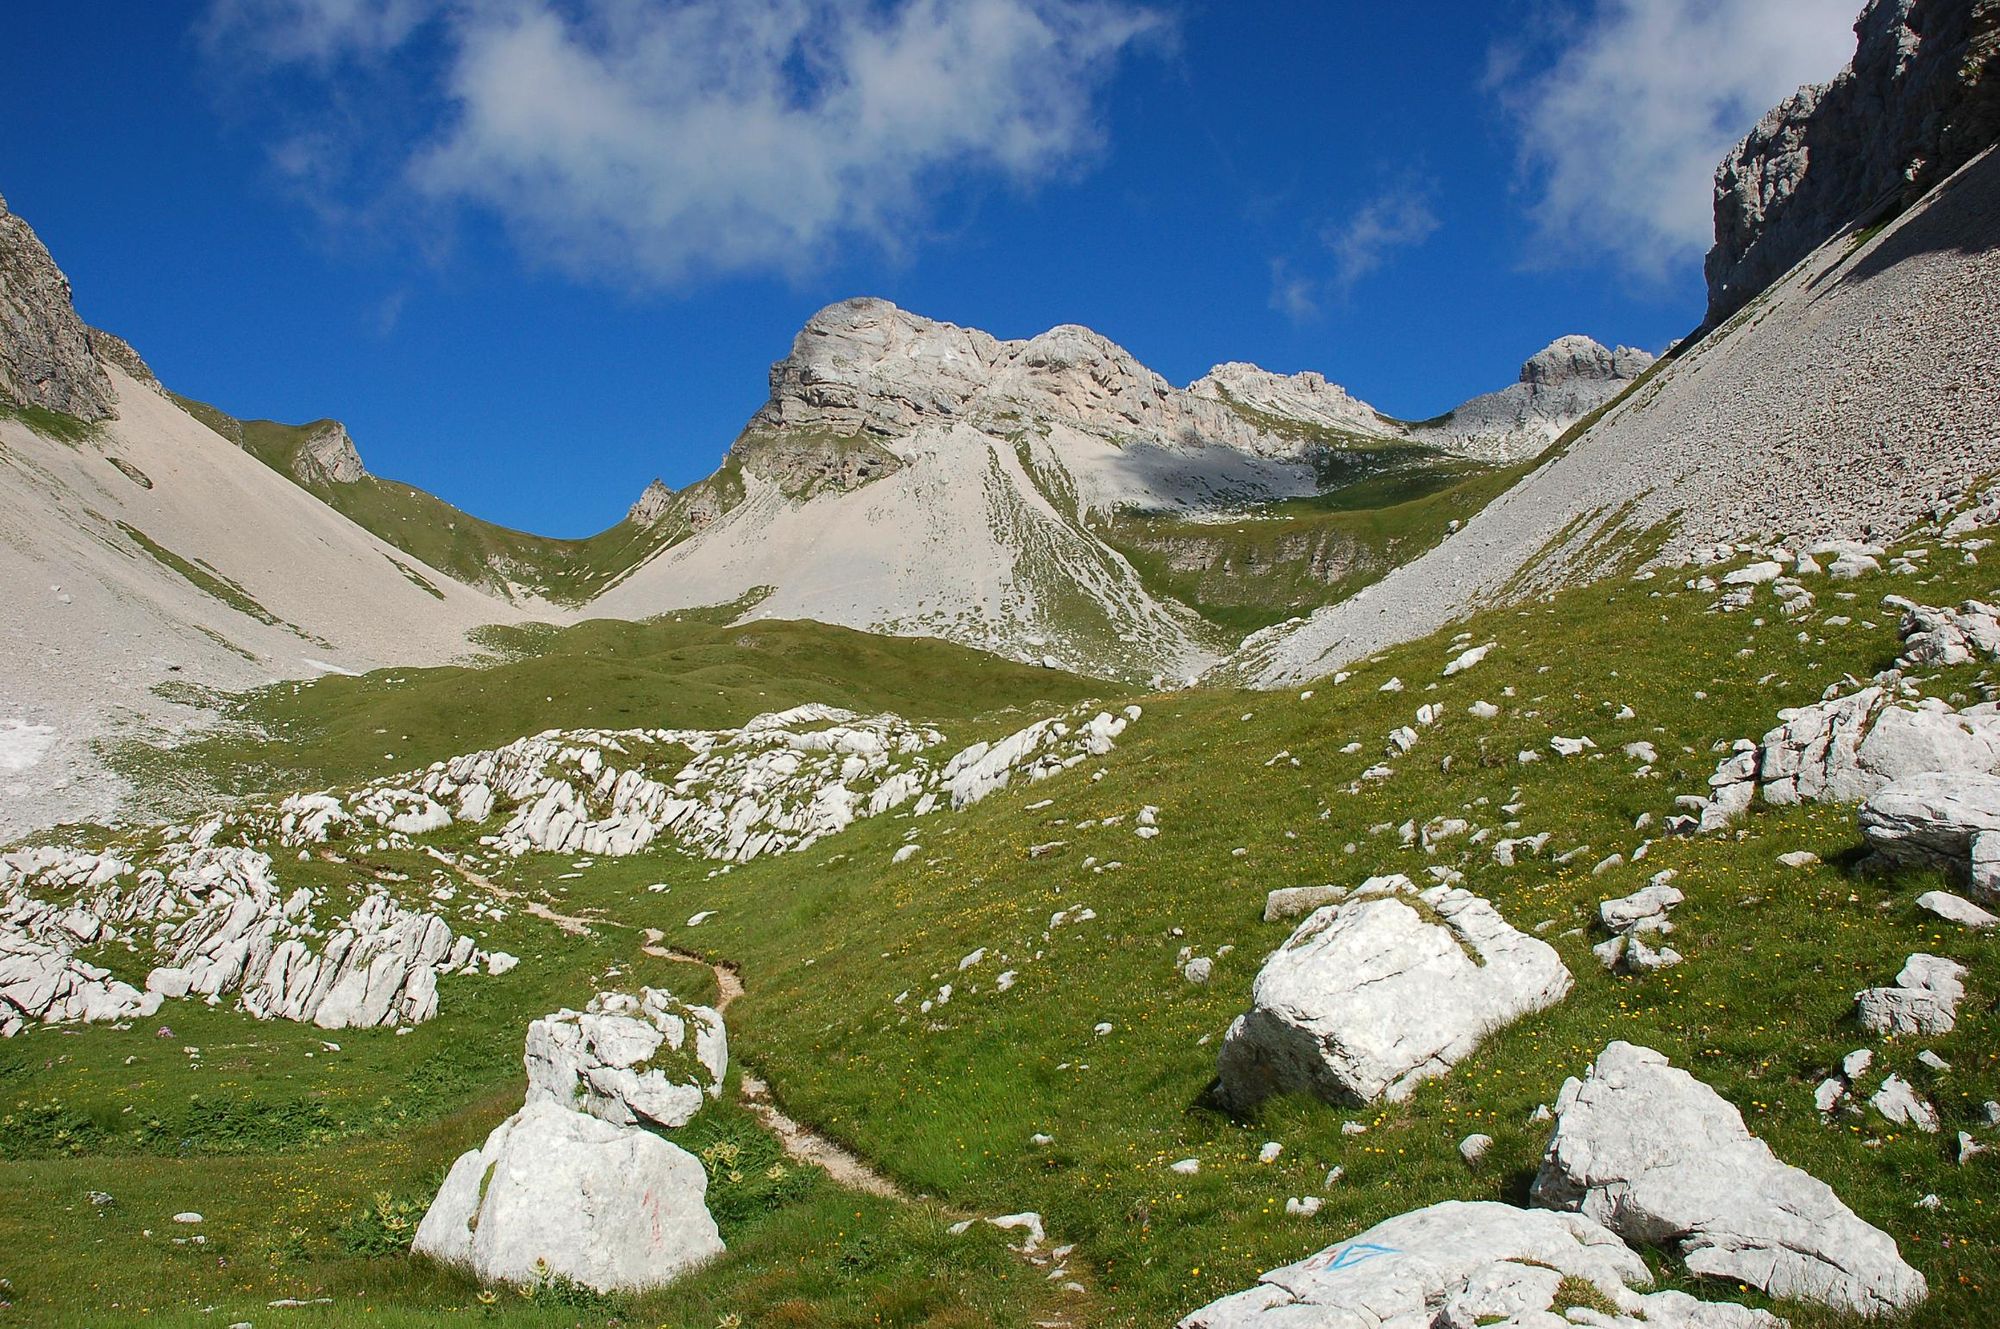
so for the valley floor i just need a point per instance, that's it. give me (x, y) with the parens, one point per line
(310, 1156)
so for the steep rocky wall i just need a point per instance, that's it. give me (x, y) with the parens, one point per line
(1920, 99)
(45, 350)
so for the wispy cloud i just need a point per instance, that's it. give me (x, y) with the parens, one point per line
(1623, 113)
(313, 31)
(1398, 219)
(1359, 244)
(657, 141)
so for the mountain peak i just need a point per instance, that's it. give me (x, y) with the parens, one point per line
(652, 504)
(1579, 358)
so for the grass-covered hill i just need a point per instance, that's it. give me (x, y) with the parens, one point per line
(310, 1164)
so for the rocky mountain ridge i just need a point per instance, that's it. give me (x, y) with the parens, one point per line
(1920, 99)
(864, 368)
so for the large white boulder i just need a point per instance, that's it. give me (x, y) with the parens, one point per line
(1660, 1158)
(651, 1058)
(1388, 988)
(1931, 820)
(1465, 1263)
(556, 1192)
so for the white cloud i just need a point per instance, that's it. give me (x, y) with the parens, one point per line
(1397, 218)
(317, 31)
(667, 139)
(1623, 122)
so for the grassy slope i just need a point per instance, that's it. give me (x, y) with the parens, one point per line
(688, 670)
(453, 541)
(947, 1102)
(1284, 559)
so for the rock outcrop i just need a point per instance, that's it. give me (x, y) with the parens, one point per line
(560, 1194)
(1388, 988)
(652, 505)
(1660, 1158)
(1942, 819)
(327, 457)
(46, 359)
(216, 920)
(650, 1058)
(1467, 1263)
(1919, 100)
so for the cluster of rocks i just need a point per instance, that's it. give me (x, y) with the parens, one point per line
(780, 783)
(218, 923)
(650, 1058)
(1641, 1153)
(1923, 1000)
(1896, 1099)
(1851, 745)
(210, 911)
(45, 983)
(569, 1187)
(1635, 921)
(1380, 991)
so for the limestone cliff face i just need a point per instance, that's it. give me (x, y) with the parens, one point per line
(45, 350)
(1920, 99)
(652, 504)
(327, 456)
(864, 370)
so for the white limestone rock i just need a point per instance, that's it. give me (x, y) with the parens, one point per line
(1957, 909)
(1934, 638)
(1463, 1263)
(629, 1059)
(1388, 988)
(612, 1207)
(1932, 820)
(1661, 1158)
(1924, 999)
(1899, 1102)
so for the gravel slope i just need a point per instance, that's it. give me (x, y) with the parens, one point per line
(1851, 399)
(95, 623)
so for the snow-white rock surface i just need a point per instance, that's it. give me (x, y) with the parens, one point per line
(1390, 987)
(559, 1192)
(1659, 1157)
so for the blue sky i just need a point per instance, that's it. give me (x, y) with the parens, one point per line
(536, 252)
